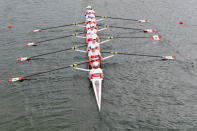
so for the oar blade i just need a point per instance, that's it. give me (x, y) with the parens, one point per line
(16, 79)
(155, 37)
(31, 44)
(149, 30)
(37, 30)
(168, 57)
(24, 58)
(143, 21)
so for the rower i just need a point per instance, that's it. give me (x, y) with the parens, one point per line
(90, 15)
(88, 20)
(91, 36)
(90, 24)
(96, 72)
(92, 30)
(93, 43)
(91, 19)
(94, 55)
(95, 36)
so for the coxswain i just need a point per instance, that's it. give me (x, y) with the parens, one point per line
(93, 43)
(94, 55)
(96, 72)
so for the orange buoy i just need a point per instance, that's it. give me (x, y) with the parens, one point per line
(180, 22)
(9, 26)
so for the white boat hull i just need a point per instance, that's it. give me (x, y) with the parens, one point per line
(97, 86)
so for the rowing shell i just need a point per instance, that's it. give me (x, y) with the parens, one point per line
(97, 86)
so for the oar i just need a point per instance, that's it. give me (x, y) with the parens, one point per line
(21, 78)
(133, 54)
(36, 43)
(154, 37)
(53, 27)
(141, 21)
(144, 30)
(35, 56)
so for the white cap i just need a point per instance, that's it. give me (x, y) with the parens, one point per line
(95, 64)
(88, 7)
(93, 46)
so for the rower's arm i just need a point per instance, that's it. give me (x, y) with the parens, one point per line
(87, 49)
(86, 40)
(98, 40)
(102, 75)
(101, 57)
(89, 58)
(90, 76)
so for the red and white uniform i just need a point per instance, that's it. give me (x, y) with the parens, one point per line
(90, 16)
(97, 45)
(88, 26)
(90, 37)
(94, 55)
(90, 11)
(91, 20)
(94, 20)
(93, 31)
(96, 73)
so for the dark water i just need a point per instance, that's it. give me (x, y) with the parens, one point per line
(139, 93)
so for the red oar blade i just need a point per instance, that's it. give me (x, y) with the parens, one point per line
(37, 30)
(149, 30)
(168, 57)
(143, 21)
(156, 37)
(31, 44)
(24, 58)
(16, 79)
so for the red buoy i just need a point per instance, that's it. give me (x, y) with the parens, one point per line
(9, 26)
(180, 22)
